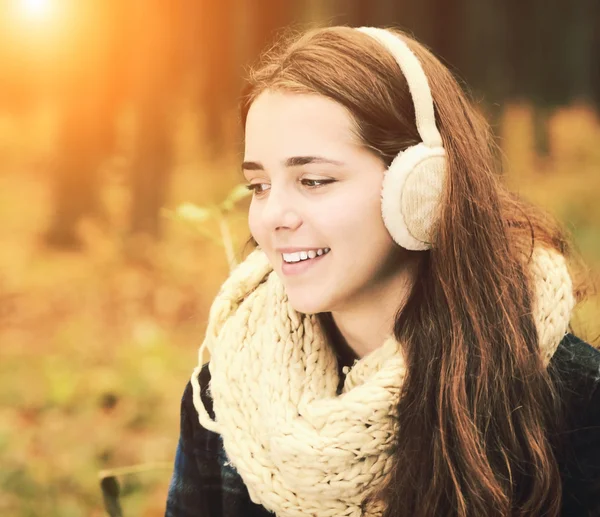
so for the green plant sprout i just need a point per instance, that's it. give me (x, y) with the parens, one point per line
(198, 216)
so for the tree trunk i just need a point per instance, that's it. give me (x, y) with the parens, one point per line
(155, 82)
(89, 93)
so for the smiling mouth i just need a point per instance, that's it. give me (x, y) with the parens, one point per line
(302, 256)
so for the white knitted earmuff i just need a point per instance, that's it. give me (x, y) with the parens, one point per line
(413, 183)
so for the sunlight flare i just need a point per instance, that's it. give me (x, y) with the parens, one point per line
(37, 9)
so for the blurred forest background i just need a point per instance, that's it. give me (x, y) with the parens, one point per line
(114, 113)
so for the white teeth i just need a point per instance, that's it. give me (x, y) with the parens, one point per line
(304, 255)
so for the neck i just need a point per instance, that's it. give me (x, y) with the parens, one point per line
(363, 325)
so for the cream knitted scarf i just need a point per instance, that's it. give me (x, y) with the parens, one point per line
(300, 448)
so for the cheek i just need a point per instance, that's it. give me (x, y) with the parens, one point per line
(358, 210)
(254, 225)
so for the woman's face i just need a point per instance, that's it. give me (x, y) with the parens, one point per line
(316, 188)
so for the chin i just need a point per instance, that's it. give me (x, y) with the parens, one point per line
(304, 306)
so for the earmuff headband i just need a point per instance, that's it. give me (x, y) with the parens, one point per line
(417, 83)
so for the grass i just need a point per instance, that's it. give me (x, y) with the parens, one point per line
(96, 347)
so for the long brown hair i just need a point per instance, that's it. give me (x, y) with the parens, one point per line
(479, 411)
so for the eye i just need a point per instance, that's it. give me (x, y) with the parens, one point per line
(315, 183)
(256, 188)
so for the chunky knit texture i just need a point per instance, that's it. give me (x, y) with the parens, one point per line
(301, 448)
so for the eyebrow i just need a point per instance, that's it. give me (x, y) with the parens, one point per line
(294, 161)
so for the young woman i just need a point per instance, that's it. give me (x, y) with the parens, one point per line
(398, 343)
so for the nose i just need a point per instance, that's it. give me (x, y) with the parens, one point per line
(279, 211)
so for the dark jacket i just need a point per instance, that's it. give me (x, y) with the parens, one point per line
(205, 485)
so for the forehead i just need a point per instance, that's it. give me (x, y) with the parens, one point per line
(288, 124)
